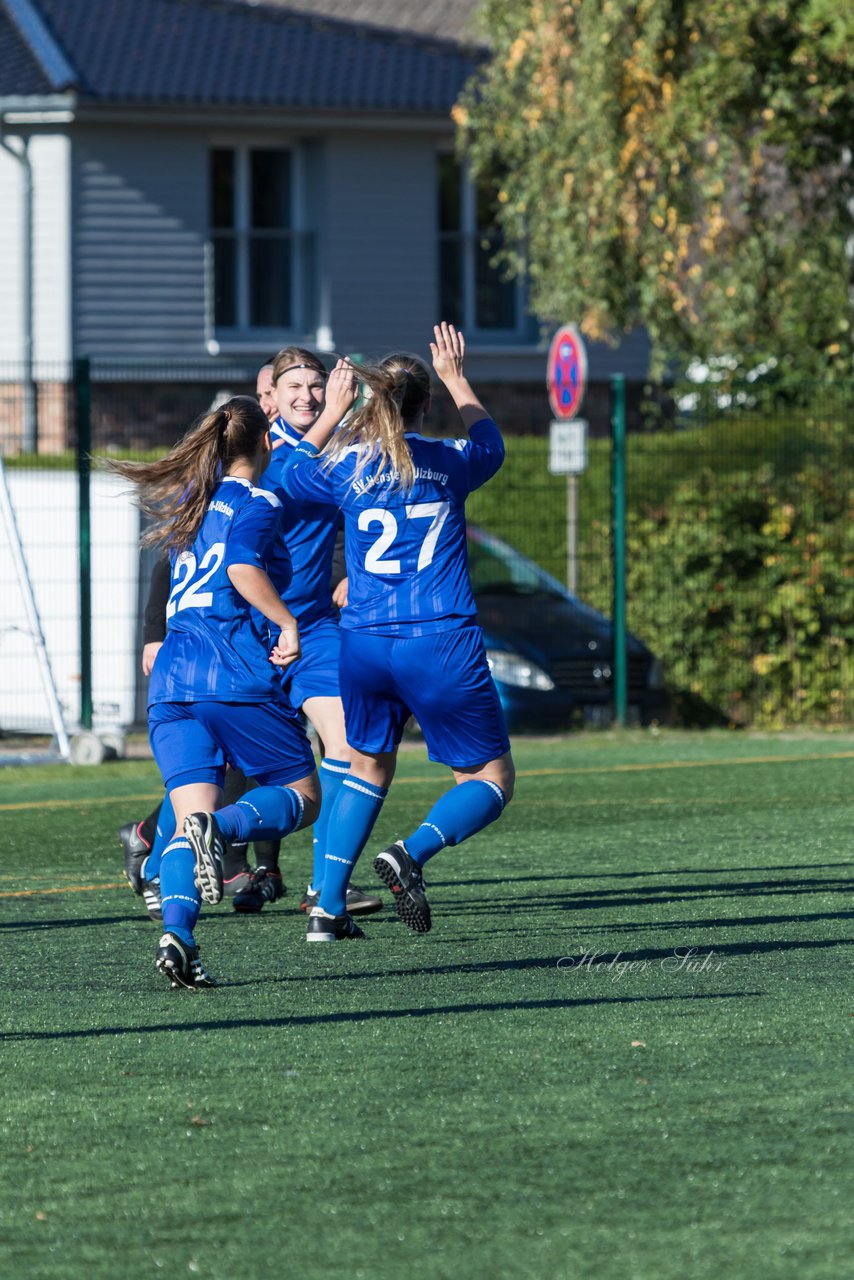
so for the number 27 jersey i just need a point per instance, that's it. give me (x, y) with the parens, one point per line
(217, 647)
(406, 551)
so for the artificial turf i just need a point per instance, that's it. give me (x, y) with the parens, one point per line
(620, 1053)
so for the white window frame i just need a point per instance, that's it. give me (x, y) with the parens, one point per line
(468, 237)
(244, 335)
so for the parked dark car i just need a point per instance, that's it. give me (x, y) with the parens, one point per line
(551, 654)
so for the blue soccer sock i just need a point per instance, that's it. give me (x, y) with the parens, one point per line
(179, 895)
(165, 832)
(332, 774)
(265, 813)
(350, 824)
(458, 814)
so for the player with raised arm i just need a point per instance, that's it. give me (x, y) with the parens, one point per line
(215, 695)
(410, 640)
(310, 531)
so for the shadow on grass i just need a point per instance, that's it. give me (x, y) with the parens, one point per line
(616, 899)
(364, 1015)
(632, 875)
(722, 950)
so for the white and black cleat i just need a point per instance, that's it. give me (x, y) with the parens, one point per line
(180, 964)
(207, 845)
(325, 928)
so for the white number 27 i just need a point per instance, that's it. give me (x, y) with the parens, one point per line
(436, 512)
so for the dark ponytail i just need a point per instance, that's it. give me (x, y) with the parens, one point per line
(175, 491)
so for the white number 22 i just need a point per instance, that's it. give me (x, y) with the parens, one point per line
(436, 512)
(187, 593)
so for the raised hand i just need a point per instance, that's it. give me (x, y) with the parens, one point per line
(448, 352)
(342, 387)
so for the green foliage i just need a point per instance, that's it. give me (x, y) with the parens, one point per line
(679, 165)
(740, 555)
(746, 590)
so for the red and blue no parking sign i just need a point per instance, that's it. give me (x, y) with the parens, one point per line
(566, 372)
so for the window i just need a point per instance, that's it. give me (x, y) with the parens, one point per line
(255, 259)
(472, 293)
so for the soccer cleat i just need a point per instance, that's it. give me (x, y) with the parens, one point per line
(402, 875)
(263, 886)
(207, 845)
(358, 903)
(180, 964)
(325, 928)
(151, 898)
(232, 885)
(136, 850)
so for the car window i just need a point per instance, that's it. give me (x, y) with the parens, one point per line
(497, 568)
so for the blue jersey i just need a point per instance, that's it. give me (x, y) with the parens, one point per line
(217, 647)
(308, 529)
(406, 551)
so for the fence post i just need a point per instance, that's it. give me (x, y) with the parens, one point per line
(83, 418)
(618, 542)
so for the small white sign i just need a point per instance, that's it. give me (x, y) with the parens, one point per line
(568, 447)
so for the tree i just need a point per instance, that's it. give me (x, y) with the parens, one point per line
(682, 165)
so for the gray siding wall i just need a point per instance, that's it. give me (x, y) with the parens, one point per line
(380, 252)
(139, 230)
(140, 212)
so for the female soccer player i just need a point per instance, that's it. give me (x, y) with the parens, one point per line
(310, 530)
(215, 693)
(410, 643)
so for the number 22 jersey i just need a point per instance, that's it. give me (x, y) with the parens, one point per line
(217, 647)
(406, 550)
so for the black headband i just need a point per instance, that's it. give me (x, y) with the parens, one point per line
(322, 372)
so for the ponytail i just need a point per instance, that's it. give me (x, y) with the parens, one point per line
(175, 490)
(400, 390)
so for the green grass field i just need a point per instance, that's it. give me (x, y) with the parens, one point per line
(622, 1051)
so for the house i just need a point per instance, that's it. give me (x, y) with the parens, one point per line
(203, 181)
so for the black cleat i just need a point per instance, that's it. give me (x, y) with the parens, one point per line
(151, 898)
(232, 885)
(403, 876)
(263, 886)
(207, 844)
(324, 928)
(136, 850)
(180, 964)
(358, 903)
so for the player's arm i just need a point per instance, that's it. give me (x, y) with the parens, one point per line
(342, 387)
(448, 352)
(154, 616)
(252, 582)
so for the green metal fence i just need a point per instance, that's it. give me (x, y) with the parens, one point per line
(735, 546)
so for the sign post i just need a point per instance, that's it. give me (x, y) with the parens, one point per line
(566, 379)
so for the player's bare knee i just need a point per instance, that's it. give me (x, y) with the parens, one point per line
(309, 792)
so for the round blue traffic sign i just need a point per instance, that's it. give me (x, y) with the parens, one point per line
(566, 372)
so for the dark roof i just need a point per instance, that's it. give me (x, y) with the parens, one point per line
(19, 68)
(222, 53)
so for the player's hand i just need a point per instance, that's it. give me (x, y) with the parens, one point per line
(149, 653)
(339, 595)
(448, 352)
(342, 387)
(287, 648)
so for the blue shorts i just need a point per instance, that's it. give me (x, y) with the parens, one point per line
(442, 679)
(193, 742)
(315, 672)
